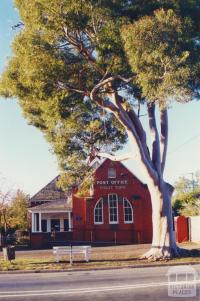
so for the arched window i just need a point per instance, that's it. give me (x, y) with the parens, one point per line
(128, 211)
(98, 212)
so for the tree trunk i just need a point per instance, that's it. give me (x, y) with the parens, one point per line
(163, 242)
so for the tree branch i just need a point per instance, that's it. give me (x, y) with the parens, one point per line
(116, 107)
(66, 87)
(140, 131)
(155, 137)
(116, 157)
(82, 49)
(105, 104)
(113, 78)
(107, 81)
(164, 136)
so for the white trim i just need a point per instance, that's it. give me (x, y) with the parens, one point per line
(32, 222)
(132, 220)
(98, 223)
(40, 221)
(113, 222)
(69, 222)
(35, 230)
(48, 224)
(61, 224)
(49, 211)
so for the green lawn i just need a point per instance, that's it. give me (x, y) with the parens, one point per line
(35, 264)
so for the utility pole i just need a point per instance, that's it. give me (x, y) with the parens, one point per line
(193, 182)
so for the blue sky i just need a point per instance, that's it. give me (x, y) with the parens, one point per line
(25, 158)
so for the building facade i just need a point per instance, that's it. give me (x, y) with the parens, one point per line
(117, 209)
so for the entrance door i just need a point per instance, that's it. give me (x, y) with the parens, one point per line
(55, 225)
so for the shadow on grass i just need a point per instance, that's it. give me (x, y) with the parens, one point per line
(194, 253)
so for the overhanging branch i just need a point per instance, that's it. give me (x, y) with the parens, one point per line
(116, 107)
(67, 87)
(116, 157)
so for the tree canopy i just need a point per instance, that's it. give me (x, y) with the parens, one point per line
(13, 211)
(186, 199)
(71, 57)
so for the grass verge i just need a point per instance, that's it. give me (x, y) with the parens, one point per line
(35, 264)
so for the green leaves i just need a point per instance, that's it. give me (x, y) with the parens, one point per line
(160, 49)
(66, 47)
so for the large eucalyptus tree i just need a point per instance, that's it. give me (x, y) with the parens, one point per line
(81, 69)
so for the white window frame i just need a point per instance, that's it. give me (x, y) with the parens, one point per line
(110, 176)
(109, 200)
(132, 220)
(98, 223)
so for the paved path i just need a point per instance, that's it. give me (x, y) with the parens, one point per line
(116, 285)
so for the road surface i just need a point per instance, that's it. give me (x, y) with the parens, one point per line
(144, 284)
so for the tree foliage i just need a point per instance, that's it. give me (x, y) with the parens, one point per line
(18, 211)
(13, 211)
(138, 50)
(187, 204)
(159, 50)
(186, 199)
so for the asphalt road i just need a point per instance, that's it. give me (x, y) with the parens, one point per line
(144, 284)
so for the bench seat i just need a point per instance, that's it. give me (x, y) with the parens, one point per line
(60, 251)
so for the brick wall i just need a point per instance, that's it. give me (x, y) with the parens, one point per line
(125, 185)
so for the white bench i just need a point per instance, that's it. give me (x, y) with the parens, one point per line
(62, 251)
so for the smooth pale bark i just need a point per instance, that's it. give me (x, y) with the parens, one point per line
(163, 242)
(120, 158)
(164, 136)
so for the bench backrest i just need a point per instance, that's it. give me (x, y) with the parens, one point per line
(72, 248)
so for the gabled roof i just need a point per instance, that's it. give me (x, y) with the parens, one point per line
(103, 160)
(56, 199)
(50, 192)
(100, 162)
(58, 205)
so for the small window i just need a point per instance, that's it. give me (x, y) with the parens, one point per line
(128, 212)
(111, 173)
(98, 212)
(113, 208)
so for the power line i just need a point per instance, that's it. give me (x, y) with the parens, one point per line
(184, 143)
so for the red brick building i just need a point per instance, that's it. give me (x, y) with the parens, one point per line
(117, 210)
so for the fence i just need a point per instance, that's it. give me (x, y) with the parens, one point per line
(194, 227)
(187, 228)
(79, 236)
